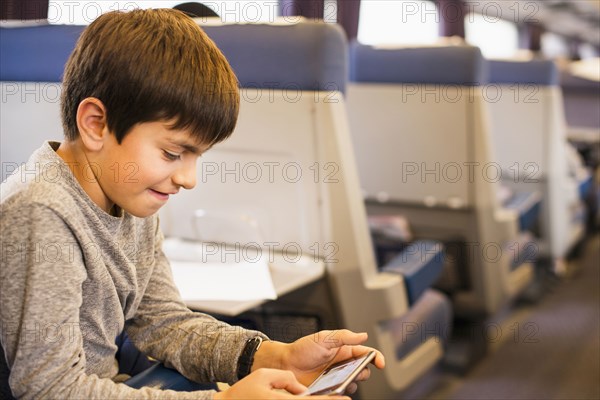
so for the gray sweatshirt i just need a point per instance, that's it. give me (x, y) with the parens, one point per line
(72, 277)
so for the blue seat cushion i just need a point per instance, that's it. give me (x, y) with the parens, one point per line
(534, 72)
(420, 264)
(585, 187)
(304, 56)
(458, 65)
(36, 54)
(523, 250)
(528, 206)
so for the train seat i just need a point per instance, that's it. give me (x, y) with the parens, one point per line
(31, 68)
(292, 130)
(295, 115)
(420, 262)
(419, 121)
(581, 104)
(582, 112)
(529, 138)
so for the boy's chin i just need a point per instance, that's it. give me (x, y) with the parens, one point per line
(140, 212)
(144, 214)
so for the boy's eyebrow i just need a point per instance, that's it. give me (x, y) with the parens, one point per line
(186, 146)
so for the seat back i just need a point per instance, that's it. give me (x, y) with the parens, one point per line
(420, 126)
(529, 137)
(289, 166)
(267, 170)
(582, 104)
(32, 61)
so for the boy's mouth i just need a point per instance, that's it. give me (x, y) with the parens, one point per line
(160, 195)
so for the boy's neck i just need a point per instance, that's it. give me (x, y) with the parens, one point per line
(73, 154)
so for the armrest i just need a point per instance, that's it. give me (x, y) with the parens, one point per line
(523, 250)
(420, 264)
(527, 206)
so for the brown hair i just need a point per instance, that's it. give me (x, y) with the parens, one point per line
(151, 65)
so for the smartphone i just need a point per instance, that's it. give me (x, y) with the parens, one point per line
(336, 378)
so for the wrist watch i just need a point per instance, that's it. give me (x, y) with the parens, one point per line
(247, 357)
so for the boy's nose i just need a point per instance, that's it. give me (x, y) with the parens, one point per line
(185, 176)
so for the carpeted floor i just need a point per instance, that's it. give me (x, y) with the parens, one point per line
(550, 350)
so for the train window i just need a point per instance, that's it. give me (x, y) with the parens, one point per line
(83, 12)
(554, 45)
(497, 38)
(586, 51)
(390, 22)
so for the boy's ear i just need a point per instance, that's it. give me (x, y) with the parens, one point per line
(91, 122)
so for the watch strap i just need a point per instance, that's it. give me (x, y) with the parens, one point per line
(247, 357)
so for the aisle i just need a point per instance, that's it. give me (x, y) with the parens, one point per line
(554, 353)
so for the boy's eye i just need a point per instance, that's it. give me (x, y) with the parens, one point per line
(171, 156)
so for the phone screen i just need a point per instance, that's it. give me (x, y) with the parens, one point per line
(338, 375)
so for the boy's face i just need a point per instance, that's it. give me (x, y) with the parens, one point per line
(151, 163)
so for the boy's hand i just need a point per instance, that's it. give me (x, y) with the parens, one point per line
(307, 357)
(269, 384)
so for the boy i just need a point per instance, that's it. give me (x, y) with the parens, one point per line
(145, 93)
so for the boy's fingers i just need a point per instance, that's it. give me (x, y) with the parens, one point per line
(285, 380)
(364, 374)
(352, 388)
(379, 360)
(333, 339)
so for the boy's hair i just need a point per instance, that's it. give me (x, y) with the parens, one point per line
(151, 65)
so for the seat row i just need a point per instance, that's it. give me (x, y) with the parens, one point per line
(330, 135)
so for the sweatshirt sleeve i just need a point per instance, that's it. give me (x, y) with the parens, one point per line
(41, 278)
(197, 345)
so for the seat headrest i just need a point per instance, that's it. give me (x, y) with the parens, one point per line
(568, 81)
(302, 56)
(36, 53)
(460, 65)
(539, 72)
